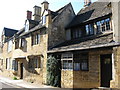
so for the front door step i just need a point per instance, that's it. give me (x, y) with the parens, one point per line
(104, 88)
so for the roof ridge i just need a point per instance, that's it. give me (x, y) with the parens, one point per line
(63, 7)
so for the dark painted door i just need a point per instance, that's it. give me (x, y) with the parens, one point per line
(106, 70)
(21, 71)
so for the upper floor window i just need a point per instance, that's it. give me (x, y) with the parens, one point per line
(16, 43)
(35, 39)
(76, 33)
(89, 29)
(9, 46)
(27, 26)
(22, 42)
(103, 25)
(43, 20)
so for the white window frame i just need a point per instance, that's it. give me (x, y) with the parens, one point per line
(9, 46)
(67, 57)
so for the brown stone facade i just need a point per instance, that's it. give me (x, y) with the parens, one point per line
(23, 55)
(86, 79)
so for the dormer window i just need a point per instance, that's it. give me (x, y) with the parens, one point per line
(43, 20)
(89, 29)
(103, 25)
(76, 33)
(27, 26)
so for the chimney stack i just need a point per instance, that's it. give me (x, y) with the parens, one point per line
(37, 13)
(87, 3)
(45, 6)
(29, 15)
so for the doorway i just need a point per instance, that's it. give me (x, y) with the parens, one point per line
(106, 70)
(21, 71)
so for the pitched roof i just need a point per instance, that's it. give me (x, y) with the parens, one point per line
(39, 26)
(97, 41)
(59, 11)
(94, 11)
(9, 32)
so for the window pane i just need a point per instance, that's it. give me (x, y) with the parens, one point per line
(64, 64)
(98, 27)
(87, 29)
(91, 29)
(70, 65)
(76, 66)
(84, 65)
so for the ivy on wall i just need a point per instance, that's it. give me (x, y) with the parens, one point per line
(53, 72)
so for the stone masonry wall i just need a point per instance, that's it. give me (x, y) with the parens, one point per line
(85, 79)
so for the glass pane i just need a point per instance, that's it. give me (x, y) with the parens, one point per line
(84, 66)
(70, 65)
(76, 66)
(87, 29)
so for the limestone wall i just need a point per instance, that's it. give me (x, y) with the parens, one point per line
(85, 79)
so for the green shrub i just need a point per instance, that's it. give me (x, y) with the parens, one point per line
(15, 78)
(53, 74)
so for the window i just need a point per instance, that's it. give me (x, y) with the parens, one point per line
(81, 61)
(36, 39)
(8, 63)
(76, 33)
(9, 46)
(89, 29)
(103, 25)
(16, 43)
(98, 27)
(43, 20)
(22, 42)
(67, 62)
(34, 63)
(37, 63)
(14, 65)
(107, 23)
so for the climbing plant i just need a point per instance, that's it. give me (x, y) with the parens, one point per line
(53, 72)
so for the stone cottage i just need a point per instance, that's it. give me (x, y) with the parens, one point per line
(24, 52)
(90, 56)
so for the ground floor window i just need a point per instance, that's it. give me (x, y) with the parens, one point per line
(81, 61)
(8, 63)
(34, 62)
(14, 65)
(67, 61)
(77, 61)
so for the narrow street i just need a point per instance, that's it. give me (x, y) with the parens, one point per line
(10, 86)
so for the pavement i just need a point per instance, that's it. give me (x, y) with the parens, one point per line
(22, 83)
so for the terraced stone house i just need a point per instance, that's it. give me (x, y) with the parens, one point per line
(90, 56)
(24, 52)
(87, 45)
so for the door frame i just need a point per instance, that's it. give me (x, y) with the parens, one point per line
(102, 75)
(21, 70)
